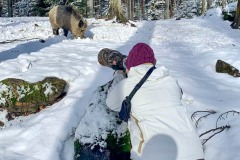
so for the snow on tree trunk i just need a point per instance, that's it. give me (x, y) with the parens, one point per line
(90, 4)
(115, 10)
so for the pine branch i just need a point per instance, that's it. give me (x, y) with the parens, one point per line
(226, 113)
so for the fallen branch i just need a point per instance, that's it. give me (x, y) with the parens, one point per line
(199, 119)
(71, 135)
(226, 113)
(30, 63)
(222, 128)
(24, 39)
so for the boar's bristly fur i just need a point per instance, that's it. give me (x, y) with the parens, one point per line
(67, 18)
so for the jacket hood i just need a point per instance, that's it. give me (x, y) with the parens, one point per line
(141, 70)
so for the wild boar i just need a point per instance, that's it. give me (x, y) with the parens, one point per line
(67, 18)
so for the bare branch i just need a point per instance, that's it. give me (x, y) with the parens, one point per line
(199, 119)
(222, 128)
(71, 135)
(23, 39)
(226, 114)
(193, 117)
(30, 63)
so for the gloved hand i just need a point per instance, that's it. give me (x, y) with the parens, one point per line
(115, 60)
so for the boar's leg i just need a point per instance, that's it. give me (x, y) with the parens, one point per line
(55, 31)
(65, 32)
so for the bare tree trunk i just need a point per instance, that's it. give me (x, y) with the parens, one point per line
(236, 23)
(143, 11)
(175, 3)
(90, 4)
(132, 9)
(203, 7)
(138, 10)
(115, 9)
(128, 9)
(175, 6)
(209, 3)
(171, 9)
(126, 6)
(224, 2)
(100, 8)
(166, 12)
(1, 6)
(10, 11)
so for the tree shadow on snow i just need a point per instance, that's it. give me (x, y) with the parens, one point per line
(29, 47)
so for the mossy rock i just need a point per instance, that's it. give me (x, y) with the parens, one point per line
(223, 67)
(117, 149)
(20, 97)
(101, 135)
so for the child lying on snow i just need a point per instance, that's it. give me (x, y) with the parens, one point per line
(158, 123)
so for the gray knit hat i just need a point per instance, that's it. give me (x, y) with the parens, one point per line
(103, 57)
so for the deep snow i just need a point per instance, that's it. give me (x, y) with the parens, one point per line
(189, 48)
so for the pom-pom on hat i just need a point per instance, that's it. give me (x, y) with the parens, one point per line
(140, 53)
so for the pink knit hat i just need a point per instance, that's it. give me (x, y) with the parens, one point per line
(140, 53)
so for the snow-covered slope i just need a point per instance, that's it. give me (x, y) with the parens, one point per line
(189, 48)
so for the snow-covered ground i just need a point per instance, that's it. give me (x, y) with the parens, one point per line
(188, 48)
